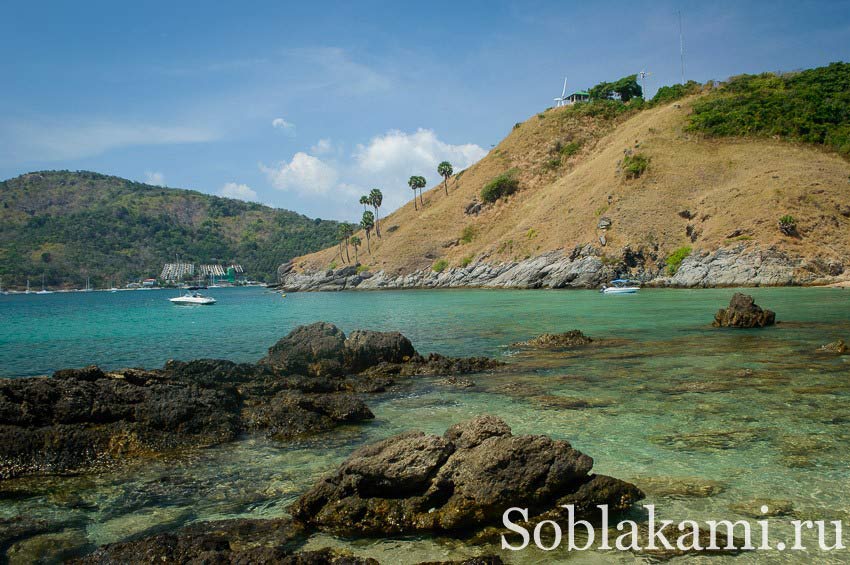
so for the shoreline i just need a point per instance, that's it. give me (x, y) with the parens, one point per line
(587, 268)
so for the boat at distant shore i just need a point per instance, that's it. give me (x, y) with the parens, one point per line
(620, 286)
(193, 298)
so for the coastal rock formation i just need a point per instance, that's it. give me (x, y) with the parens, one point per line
(584, 267)
(461, 481)
(86, 419)
(743, 312)
(572, 338)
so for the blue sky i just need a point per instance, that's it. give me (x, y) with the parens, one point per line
(307, 105)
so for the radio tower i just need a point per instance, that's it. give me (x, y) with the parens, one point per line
(681, 45)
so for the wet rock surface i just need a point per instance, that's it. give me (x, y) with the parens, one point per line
(87, 419)
(228, 541)
(459, 482)
(836, 347)
(743, 312)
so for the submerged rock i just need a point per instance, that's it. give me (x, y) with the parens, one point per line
(572, 338)
(227, 541)
(461, 481)
(838, 347)
(743, 312)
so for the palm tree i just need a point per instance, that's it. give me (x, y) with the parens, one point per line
(367, 223)
(341, 236)
(355, 241)
(417, 183)
(348, 231)
(366, 201)
(376, 198)
(445, 170)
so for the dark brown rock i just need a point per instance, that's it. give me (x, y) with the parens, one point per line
(306, 346)
(460, 482)
(365, 348)
(743, 313)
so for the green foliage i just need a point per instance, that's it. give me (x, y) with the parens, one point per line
(674, 260)
(465, 262)
(362, 268)
(571, 148)
(553, 163)
(811, 106)
(367, 222)
(445, 169)
(517, 125)
(635, 165)
(531, 233)
(439, 265)
(468, 234)
(674, 92)
(106, 227)
(501, 186)
(332, 266)
(788, 225)
(626, 88)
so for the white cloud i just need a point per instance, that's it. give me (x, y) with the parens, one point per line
(154, 178)
(390, 159)
(386, 162)
(321, 147)
(56, 141)
(238, 191)
(287, 127)
(305, 174)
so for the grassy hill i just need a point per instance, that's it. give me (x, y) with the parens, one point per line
(68, 225)
(700, 167)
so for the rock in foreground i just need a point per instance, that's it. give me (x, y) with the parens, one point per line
(837, 347)
(459, 482)
(86, 419)
(743, 312)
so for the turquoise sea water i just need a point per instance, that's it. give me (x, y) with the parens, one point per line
(668, 401)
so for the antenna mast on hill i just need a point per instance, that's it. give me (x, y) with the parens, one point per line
(643, 75)
(681, 45)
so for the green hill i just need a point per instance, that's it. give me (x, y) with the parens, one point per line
(68, 225)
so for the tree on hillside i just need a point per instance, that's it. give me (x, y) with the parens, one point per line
(366, 201)
(445, 170)
(348, 231)
(417, 183)
(367, 223)
(355, 241)
(626, 88)
(376, 198)
(341, 236)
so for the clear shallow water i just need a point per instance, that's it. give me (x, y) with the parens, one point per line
(669, 401)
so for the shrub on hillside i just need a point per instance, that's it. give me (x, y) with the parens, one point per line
(674, 260)
(635, 165)
(468, 234)
(675, 92)
(503, 185)
(811, 106)
(439, 265)
(788, 225)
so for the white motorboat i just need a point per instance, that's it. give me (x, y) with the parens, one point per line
(193, 298)
(620, 286)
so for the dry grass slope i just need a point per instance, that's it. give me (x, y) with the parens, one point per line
(735, 190)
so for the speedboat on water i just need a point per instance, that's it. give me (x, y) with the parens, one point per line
(193, 298)
(620, 286)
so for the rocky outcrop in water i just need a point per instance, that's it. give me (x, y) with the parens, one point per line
(87, 419)
(586, 267)
(572, 338)
(459, 482)
(743, 312)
